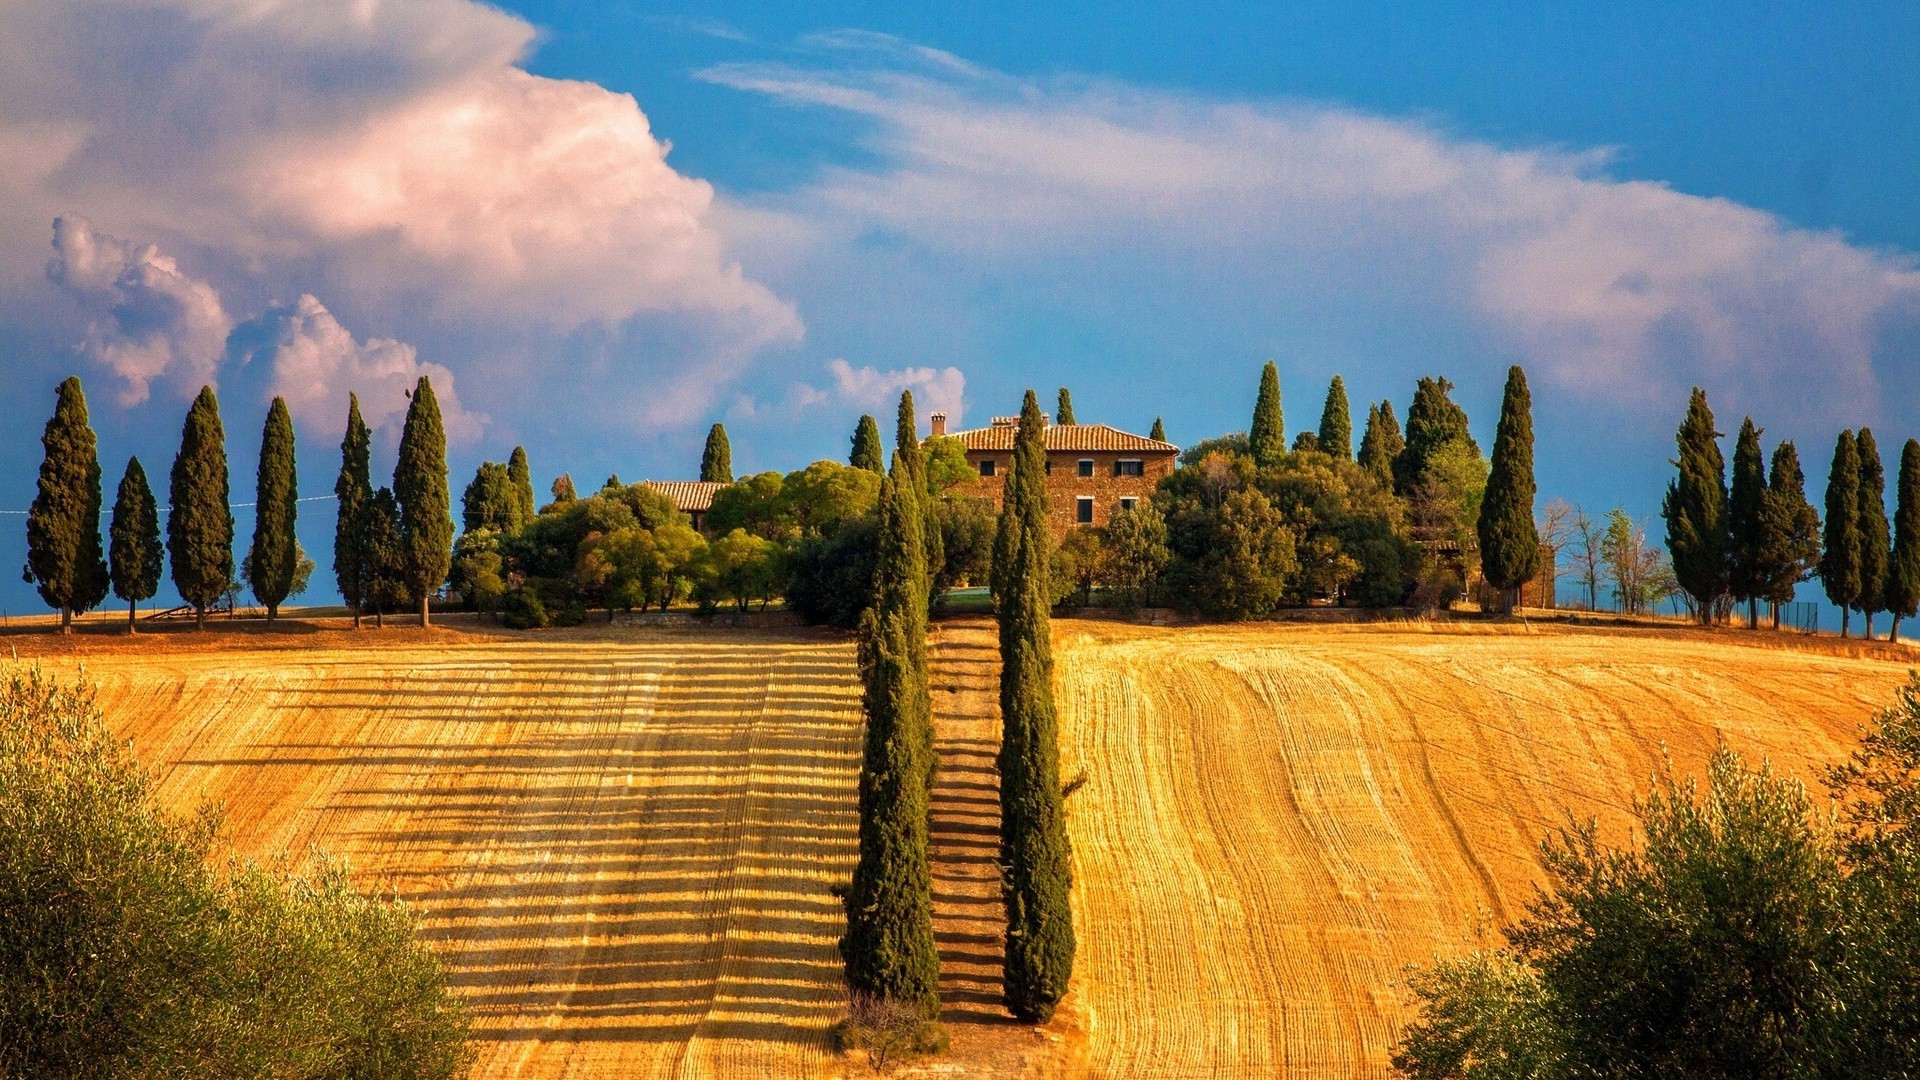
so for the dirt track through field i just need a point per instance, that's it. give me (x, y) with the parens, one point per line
(1279, 819)
(624, 850)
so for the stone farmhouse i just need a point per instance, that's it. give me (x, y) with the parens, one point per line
(1093, 470)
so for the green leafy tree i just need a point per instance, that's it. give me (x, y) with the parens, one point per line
(866, 446)
(945, 460)
(1747, 523)
(1903, 572)
(134, 555)
(753, 503)
(1159, 432)
(1306, 441)
(1135, 555)
(1434, 423)
(520, 480)
(1695, 510)
(200, 522)
(1336, 422)
(1267, 438)
(716, 461)
(1034, 849)
(386, 554)
(814, 500)
(273, 563)
(1509, 540)
(562, 491)
(63, 526)
(1381, 444)
(420, 487)
(1064, 413)
(1791, 537)
(889, 947)
(745, 568)
(353, 491)
(906, 439)
(490, 501)
(1840, 558)
(1872, 532)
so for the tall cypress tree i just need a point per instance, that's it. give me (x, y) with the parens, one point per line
(520, 479)
(1063, 414)
(866, 446)
(1793, 529)
(1434, 422)
(1034, 848)
(63, 526)
(200, 521)
(273, 561)
(386, 555)
(490, 501)
(906, 438)
(1903, 573)
(1336, 422)
(1267, 437)
(1696, 509)
(1509, 542)
(1872, 534)
(134, 555)
(716, 461)
(420, 487)
(1840, 560)
(353, 491)
(889, 947)
(1747, 523)
(1381, 445)
(1159, 432)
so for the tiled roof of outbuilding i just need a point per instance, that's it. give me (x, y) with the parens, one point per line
(689, 495)
(1067, 437)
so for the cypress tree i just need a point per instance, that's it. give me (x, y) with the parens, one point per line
(1696, 509)
(63, 526)
(386, 553)
(1064, 413)
(520, 480)
(716, 461)
(1159, 432)
(1747, 523)
(1792, 541)
(1509, 542)
(889, 947)
(490, 501)
(1872, 534)
(353, 491)
(1268, 437)
(866, 446)
(1306, 440)
(1381, 445)
(200, 522)
(420, 488)
(1903, 573)
(1034, 849)
(1840, 560)
(1336, 422)
(906, 439)
(1434, 422)
(562, 490)
(134, 555)
(274, 560)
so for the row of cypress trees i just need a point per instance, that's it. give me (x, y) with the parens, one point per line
(73, 574)
(1866, 563)
(396, 544)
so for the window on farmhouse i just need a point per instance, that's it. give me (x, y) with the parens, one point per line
(1049, 466)
(1083, 510)
(986, 466)
(1128, 502)
(1086, 466)
(1128, 467)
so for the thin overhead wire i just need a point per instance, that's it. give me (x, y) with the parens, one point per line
(236, 506)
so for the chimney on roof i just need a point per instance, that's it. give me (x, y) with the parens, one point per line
(1006, 421)
(939, 421)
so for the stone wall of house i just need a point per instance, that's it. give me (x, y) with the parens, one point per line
(1065, 486)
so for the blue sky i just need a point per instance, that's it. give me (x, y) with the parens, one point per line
(797, 212)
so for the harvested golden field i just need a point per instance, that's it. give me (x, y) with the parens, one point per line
(623, 841)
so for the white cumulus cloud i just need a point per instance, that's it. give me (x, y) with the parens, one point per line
(315, 363)
(934, 389)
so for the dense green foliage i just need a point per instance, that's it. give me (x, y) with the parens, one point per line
(63, 526)
(420, 488)
(1063, 413)
(1870, 530)
(131, 946)
(353, 492)
(1840, 557)
(1159, 432)
(1267, 437)
(1335, 437)
(1695, 510)
(134, 556)
(1135, 556)
(716, 461)
(1745, 935)
(1748, 522)
(490, 501)
(1435, 427)
(1509, 540)
(275, 566)
(385, 552)
(200, 522)
(1381, 444)
(1034, 849)
(1902, 593)
(866, 446)
(889, 947)
(1790, 545)
(520, 479)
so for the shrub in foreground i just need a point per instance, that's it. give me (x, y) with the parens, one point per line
(130, 948)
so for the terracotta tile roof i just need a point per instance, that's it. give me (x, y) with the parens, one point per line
(691, 496)
(1066, 437)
